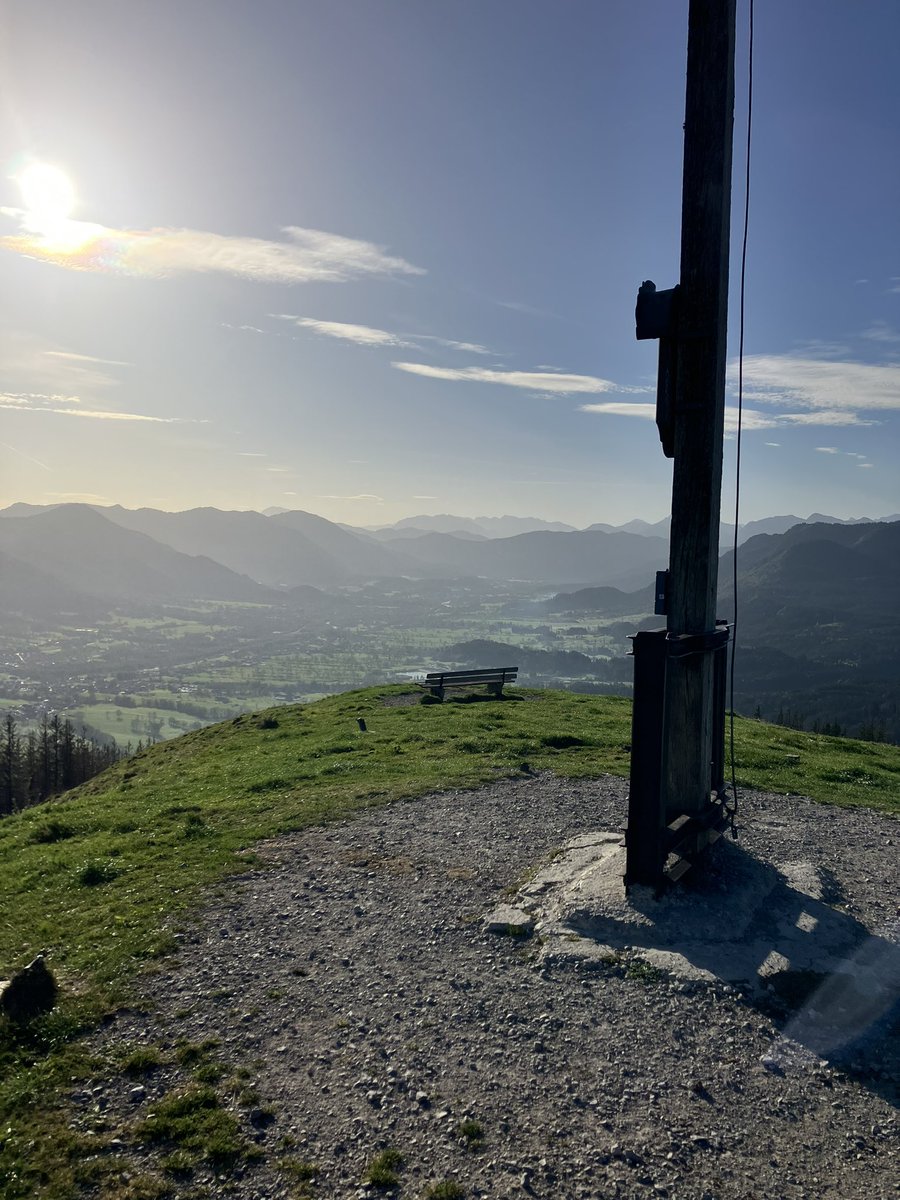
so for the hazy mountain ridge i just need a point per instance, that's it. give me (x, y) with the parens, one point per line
(505, 526)
(85, 554)
(544, 556)
(818, 635)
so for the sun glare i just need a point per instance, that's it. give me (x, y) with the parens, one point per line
(47, 192)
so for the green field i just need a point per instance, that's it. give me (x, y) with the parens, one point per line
(133, 724)
(99, 878)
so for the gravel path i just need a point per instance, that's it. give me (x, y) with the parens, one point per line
(352, 975)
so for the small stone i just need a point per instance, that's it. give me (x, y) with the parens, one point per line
(137, 1094)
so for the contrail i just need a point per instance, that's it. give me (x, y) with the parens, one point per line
(22, 454)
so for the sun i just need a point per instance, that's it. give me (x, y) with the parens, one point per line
(47, 192)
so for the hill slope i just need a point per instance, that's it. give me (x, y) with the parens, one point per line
(102, 876)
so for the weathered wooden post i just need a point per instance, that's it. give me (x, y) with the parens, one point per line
(691, 322)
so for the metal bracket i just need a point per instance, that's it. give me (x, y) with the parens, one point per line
(661, 598)
(656, 313)
(656, 316)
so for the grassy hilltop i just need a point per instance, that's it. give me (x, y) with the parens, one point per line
(101, 878)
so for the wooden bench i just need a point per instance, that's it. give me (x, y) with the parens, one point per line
(436, 682)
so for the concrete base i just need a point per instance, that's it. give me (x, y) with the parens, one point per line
(764, 928)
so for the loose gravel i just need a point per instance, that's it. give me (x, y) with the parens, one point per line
(352, 975)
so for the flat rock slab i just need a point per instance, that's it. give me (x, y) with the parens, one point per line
(739, 921)
(513, 922)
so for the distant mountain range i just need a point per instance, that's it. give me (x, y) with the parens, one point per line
(818, 632)
(746, 531)
(71, 557)
(204, 553)
(484, 526)
(121, 554)
(501, 527)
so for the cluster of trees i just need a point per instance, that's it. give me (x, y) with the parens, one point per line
(869, 730)
(47, 760)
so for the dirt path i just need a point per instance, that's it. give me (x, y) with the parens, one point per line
(353, 976)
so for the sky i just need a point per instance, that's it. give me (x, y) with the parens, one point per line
(375, 258)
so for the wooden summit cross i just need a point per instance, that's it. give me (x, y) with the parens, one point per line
(676, 798)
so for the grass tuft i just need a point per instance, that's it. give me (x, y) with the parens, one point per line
(94, 874)
(140, 1061)
(51, 831)
(471, 1132)
(447, 1189)
(382, 1170)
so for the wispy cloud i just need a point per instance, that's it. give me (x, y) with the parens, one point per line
(531, 381)
(304, 256)
(881, 332)
(29, 363)
(361, 335)
(861, 459)
(70, 356)
(243, 328)
(70, 406)
(752, 419)
(360, 496)
(465, 347)
(622, 408)
(821, 384)
(528, 309)
(79, 498)
(367, 335)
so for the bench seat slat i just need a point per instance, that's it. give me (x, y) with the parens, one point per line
(472, 673)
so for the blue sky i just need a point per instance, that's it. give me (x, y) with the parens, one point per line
(378, 257)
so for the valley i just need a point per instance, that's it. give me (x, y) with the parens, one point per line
(140, 640)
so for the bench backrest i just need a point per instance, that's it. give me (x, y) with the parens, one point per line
(483, 675)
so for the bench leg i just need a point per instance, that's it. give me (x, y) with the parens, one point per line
(496, 689)
(437, 692)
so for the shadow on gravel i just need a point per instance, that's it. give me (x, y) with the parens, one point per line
(831, 985)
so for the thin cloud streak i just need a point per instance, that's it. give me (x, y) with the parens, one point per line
(367, 335)
(531, 381)
(361, 496)
(360, 335)
(306, 256)
(465, 347)
(752, 419)
(32, 403)
(70, 356)
(28, 458)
